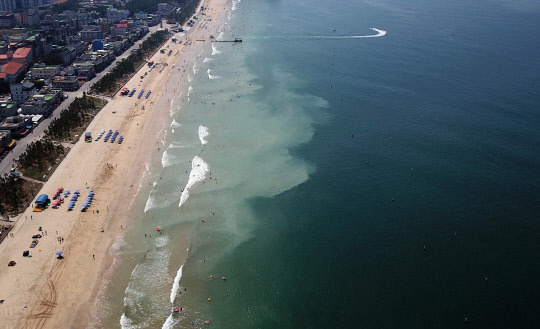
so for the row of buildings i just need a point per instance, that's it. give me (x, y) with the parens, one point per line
(44, 53)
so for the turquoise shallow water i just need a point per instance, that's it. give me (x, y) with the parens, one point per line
(375, 182)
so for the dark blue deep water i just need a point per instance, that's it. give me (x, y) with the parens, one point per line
(422, 209)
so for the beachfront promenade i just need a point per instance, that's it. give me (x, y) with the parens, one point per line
(7, 163)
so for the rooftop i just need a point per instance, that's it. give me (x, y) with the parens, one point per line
(7, 105)
(27, 85)
(11, 68)
(22, 52)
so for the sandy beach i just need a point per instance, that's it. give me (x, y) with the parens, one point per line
(45, 292)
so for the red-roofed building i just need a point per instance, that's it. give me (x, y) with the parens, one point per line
(11, 71)
(119, 29)
(22, 56)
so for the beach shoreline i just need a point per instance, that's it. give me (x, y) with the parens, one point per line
(44, 292)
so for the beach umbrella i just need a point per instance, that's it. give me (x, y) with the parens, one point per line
(59, 253)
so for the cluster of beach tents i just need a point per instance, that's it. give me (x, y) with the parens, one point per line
(100, 134)
(110, 135)
(113, 138)
(73, 200)
(57, 198)
(88, 201)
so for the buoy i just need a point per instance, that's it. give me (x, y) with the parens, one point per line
(223, 278)
(158, 229)
(209, 299)
(176, 309)
(207, 321)
(211, 276)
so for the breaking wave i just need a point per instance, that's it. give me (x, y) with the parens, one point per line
(203, 132)
(199, 168)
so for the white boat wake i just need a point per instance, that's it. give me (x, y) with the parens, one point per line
(380, 33)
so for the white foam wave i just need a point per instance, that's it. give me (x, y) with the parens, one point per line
(150, 203)
(170, 322)
(175, 124)
(189, 78)
(203, 132)
(162, 241)
(126, 323)
(206, 60)
(214, 50)
(176, 284)
(199, 168)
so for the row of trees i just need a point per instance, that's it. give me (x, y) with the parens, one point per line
(187, 9)
(110, 82)
(79, 112)
(39, 155)
(12, 194)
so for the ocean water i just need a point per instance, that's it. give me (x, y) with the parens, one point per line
(351, 164)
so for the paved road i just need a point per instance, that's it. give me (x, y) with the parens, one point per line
(7, 163)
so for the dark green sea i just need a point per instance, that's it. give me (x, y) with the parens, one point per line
(374, 164)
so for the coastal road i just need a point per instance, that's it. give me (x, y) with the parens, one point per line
(7, 163)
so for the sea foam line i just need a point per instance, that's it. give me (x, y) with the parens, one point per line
(170, 322)
(203, 132)
(199, 168)
(176, 284)
(214, 50)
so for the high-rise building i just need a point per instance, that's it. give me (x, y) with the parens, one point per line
(8, 5)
